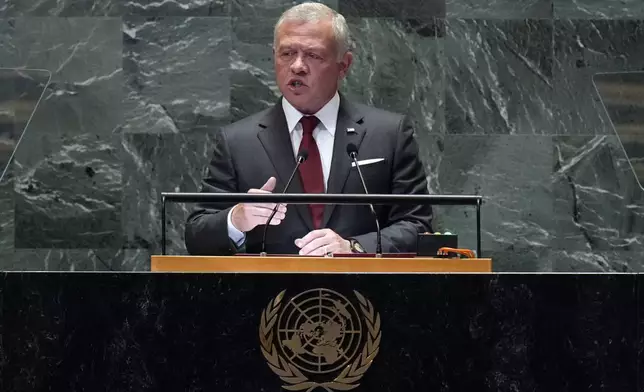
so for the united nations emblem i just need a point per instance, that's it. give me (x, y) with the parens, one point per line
(319, 339)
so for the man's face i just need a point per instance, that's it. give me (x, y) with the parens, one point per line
(306, 64)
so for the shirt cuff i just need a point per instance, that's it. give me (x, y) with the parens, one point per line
(236, 236)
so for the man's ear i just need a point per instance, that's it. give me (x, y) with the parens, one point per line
(345, 64)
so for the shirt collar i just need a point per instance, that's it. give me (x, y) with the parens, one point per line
(328, 115)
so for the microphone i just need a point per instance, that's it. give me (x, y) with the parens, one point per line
(352, 150)
(301, 157)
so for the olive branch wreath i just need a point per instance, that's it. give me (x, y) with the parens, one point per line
(347, 379)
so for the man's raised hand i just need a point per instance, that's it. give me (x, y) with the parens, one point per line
(246, 216)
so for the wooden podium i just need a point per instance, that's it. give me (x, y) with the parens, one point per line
(286, 264)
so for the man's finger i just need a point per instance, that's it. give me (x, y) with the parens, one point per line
(269, 206)
(277, 216)
(269, 185)
(300, 242)
(266, 212)
(281, 208)
(264, 206)
(254, 190)
(324, 249)
(312, 246)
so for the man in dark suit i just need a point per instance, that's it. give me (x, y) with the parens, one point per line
(257, 154)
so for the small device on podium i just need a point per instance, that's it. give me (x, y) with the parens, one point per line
(442, 245)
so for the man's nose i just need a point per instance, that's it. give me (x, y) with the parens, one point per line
(298, 65)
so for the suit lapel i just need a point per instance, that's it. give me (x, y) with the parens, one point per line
(276, 140)
(348, 118)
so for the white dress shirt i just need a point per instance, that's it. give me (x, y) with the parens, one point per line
(324, 135)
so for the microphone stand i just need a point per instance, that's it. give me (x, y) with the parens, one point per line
(301, 157)
(354, 156)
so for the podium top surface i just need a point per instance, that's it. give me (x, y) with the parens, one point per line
(304, 264)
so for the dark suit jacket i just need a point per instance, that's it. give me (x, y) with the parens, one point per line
(251, 150)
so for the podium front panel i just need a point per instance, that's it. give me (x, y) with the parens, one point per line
(250, 332)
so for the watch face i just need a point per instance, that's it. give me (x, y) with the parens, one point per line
(357, 247)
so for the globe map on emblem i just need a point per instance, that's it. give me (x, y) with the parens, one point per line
(319, 331)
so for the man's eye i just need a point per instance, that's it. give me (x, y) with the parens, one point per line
(315, 56)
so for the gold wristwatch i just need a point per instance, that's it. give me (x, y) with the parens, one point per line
(356, 247)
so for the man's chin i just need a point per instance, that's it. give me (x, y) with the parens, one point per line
(294, 95)
(300, 101)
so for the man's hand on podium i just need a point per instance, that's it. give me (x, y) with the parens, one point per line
(246, 216)
(321, 242)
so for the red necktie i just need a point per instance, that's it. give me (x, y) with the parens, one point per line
(311, 169)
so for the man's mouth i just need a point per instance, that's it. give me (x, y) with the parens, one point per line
(296, 83)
